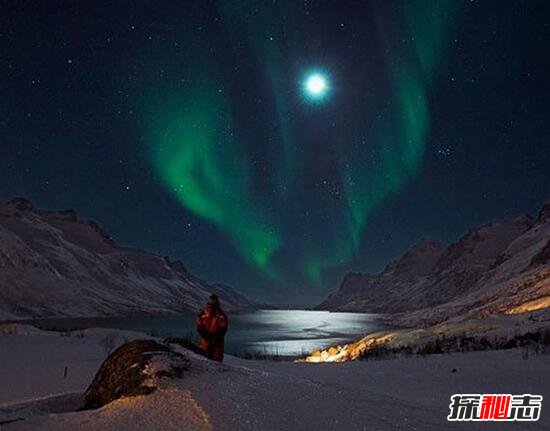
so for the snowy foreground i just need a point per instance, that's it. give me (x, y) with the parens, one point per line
(408, 393)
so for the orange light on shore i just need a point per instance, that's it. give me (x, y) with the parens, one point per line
(348, 352)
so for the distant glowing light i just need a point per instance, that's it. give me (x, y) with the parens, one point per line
(316, 86)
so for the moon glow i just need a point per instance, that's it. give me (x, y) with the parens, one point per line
(316, 86)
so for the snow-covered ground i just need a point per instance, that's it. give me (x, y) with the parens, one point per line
(32, 362)
(408, 393)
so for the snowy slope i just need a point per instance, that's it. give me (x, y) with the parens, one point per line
(400, 394)
(54, 264)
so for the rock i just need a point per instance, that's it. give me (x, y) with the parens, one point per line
(128, 372)
(543, 257)
(20, 204)
(544, 213)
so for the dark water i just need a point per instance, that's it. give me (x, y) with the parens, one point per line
(280, 332)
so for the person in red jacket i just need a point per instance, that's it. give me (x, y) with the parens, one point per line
(212, 325)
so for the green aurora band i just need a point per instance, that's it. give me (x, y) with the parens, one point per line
(401, 145)
(197, 159)
(201, 158)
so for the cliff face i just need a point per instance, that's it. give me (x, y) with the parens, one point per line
(54, 264)
(500, 267)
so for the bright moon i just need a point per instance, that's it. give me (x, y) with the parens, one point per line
(316, 85)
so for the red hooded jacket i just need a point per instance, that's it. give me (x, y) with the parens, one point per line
(212, 325)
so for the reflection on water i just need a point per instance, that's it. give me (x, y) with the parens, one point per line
(296, 332)
(281, 332)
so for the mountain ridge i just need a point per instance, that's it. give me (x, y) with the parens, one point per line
(498, 267)
(55, 264)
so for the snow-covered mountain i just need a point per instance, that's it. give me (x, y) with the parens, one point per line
(54, 264)
(500, 267)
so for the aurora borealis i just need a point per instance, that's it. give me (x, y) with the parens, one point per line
(197, 155)
(202, 157)
(277, 145)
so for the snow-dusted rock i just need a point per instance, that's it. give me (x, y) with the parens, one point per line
(133, 369)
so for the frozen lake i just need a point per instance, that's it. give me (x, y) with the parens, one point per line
(281, 332)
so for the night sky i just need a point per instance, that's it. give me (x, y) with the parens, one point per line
(190, 128)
